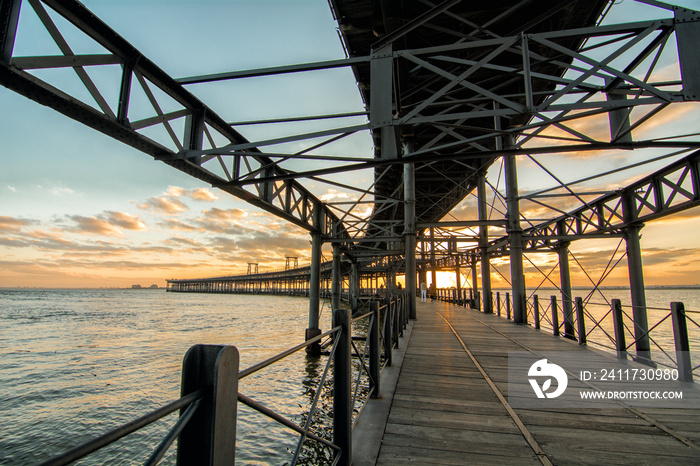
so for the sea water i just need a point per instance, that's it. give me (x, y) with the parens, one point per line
(77, 363)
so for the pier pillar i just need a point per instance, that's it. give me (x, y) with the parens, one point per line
(639, 301)
(336, 282)
(422, 272)
(475, 282)
(565, 280)
(433, 271)
(517, 274)
(354, 284)
(483, 244)
(410, 236)
(315, 286)
(458, 281)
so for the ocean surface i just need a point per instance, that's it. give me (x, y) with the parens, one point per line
(76, 363)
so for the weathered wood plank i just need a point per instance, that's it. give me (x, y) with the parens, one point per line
(445, 412)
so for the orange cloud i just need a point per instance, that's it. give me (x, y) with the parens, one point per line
(224, 214)
(164, 204)
(203, 194)
(93, 225)
(13, 224)
(126, 221)
(177, 225)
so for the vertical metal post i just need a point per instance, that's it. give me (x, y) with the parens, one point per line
(517, 274)
(374, 350)
(194, 136)
(565, 279)
(618, 325)
(536, 307)
(458, 282)
(388, 344)
(336, 281)
(396, 321)
(9, 19)
(680, 337)
(342, 388)
(475, 280)
(315, 284)
(483, 244)
(507, 305)
(210, 436)
(498, 302)
(555, 316)
(581, 321)
(409, 176)
(354, 286)
(639, 302)
(687, 37)
(382, 98)
(433, 270)
(125, 93)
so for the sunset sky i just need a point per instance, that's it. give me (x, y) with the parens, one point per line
(78, 209)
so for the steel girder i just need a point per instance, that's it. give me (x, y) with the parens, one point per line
(668, 191)
(455, 101)
(203, 128)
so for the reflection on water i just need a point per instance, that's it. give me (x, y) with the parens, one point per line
(76, 363)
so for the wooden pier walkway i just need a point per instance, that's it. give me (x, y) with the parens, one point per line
(450, 405)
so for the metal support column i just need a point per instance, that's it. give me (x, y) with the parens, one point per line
(639, 301)
(566, 297)
(409, 183)
(315, 286)
(483, 244)
(336, 280)
(475, 282)
(433, 271)
(458, 281)
(354, 284)
(515, 238)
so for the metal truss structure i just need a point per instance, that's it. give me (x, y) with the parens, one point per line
(450, 90)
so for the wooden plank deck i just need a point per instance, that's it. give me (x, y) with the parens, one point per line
(450, 405)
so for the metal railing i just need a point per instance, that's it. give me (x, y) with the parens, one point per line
(206, 427)
(610, 326)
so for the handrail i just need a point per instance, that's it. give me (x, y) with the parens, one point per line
(282, 420)
(575, 325)
(312, 410)
(176, 430)
(122, 431)
(261, 365)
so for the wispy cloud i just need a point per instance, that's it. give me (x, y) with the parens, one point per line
(13, 224)
(109, 223)
(164, 205)
(203, 194)
(125, 221)
(92, 225)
